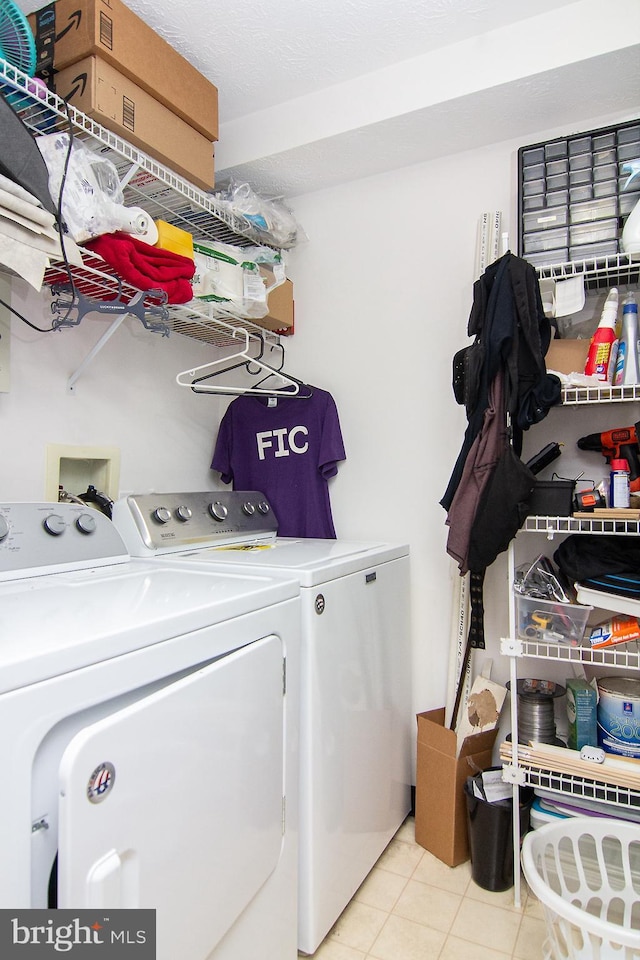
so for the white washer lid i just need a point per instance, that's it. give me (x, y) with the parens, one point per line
(312, 561)
(53, 624)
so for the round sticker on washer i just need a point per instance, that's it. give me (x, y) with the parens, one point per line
(100, 782)
(319, 604)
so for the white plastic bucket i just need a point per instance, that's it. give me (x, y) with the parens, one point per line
(619, 715)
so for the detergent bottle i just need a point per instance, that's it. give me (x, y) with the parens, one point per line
(603, 340)
(630, 240)
(627, 361)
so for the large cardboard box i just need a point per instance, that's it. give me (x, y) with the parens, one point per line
(104, 94)
(70, 30)
(441, 809)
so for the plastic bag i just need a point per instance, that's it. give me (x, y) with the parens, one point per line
(92, 200)
(238, 277)
(271, 219)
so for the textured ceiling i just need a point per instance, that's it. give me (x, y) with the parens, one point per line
(294, 118)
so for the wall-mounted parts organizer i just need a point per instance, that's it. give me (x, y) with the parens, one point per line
(162, 194)
(571, 196)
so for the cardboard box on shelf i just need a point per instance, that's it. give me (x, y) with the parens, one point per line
(441, 811)
(117, 103)
(567, 356)
(70, 30)
(280, 305)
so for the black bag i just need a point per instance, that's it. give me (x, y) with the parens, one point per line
(502, 509)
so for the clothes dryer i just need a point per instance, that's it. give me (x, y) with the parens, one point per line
(356, 723)
(149, 718)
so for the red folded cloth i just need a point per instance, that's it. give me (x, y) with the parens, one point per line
(146, 267)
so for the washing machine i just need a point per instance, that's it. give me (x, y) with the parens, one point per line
(149, 748)
(356, 722)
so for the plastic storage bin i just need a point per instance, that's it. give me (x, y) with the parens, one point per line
(550, 621)
(586, 874)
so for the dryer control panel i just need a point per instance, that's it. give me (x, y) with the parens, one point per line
(42, 538)
(158, 523)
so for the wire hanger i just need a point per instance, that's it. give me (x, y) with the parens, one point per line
(288, 385)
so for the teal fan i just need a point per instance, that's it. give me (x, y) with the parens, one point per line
(17, 44)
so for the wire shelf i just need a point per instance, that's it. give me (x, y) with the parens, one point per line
(145, 183)
(580, 787)
(598, 525)
(605, 393)
(625, 656)
(617, 270)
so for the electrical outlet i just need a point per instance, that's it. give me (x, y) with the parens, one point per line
(5, 335)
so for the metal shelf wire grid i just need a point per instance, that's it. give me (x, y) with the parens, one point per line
(575, 787)
(145, 183)
(625, 656)
(615, 270)
(598, 525)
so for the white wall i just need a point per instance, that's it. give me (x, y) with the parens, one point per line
(127, 398)
(383, 292)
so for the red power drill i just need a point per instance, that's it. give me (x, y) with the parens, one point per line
(619, 444)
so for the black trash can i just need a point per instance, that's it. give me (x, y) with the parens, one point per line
(490, 828)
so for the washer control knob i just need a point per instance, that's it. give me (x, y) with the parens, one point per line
(4, 528)
(248, 508)
(162, 515)
(54, 525)
(264, 508)
(218, 511)
(183, 513)
(86, 523)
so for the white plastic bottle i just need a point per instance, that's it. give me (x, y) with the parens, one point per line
(627, 362)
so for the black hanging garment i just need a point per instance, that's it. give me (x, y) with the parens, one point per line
(503, 381)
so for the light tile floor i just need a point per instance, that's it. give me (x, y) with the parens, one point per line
(414, 907)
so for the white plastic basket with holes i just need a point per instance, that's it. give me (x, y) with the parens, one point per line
(586, 873)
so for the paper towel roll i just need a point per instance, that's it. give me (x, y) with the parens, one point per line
(135, 221)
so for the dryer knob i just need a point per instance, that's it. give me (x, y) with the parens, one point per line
(4, 528)
(183, 513)
(264, 508)
(54, 525)
(248, 508)
(218, 510)
(162, 515)
(86, 523)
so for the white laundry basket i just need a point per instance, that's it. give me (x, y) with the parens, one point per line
(586, 873)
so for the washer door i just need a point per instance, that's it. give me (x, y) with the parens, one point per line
(176, 802)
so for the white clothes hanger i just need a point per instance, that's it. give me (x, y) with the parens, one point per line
(286, 385)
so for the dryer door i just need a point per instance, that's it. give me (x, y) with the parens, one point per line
(176, 802)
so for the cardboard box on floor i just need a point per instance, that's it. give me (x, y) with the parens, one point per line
(441, 809)
(71, 30)
(112, 100)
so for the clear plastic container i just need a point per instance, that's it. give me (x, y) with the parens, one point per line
(549, 621)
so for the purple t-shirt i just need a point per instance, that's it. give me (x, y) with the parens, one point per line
(288, 452)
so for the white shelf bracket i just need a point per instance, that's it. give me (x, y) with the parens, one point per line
(71, 382)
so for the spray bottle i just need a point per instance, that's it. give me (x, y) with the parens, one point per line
(603, 340)
(628, 362)
(630, 240)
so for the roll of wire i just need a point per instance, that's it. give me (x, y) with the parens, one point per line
(536, 718)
